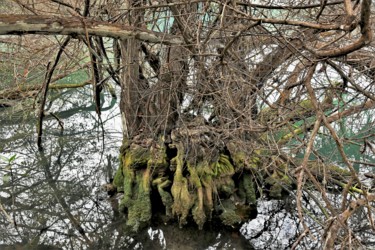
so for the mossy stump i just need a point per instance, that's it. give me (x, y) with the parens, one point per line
(193, 182)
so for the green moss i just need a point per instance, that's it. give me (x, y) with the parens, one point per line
(158, 157)
(239, 159)
(166, 198)
(277, 180)
(204, 168)
(333, 170)
(137, 157)
(249, 189)
(253, 162)
(306, 105)
(194, 178)
(243, 160)
(223, 167)
(183, 200)
(198, 210)
(129, 178)
(139, 211)
(193, 192)
(124, 147)
(199, 216)
(276, 191)
(229, 217)
(225, 185)
(208, 191)
(288, 136)
(118, 180)
(267, 114)
(133, 157)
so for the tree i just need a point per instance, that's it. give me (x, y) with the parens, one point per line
(222, 101)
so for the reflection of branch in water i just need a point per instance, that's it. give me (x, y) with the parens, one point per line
(61, 123)
(52, 183)
(6, 215)
(46, 83)
(21, 114)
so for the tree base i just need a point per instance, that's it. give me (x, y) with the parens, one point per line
(187, 181)
(190, 181)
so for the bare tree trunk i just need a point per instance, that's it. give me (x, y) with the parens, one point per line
(132, 87)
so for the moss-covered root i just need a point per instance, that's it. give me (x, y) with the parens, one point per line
(158, 157)
(244, 160)
(182, 199)
(134, 178)
(139, 210)
(198, 210)
(130, 158)
(162, 183)
(158, 163)
(208, 199)
(133, 158)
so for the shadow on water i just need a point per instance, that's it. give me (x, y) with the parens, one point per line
(53, 200)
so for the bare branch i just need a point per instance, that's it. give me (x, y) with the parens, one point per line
(51, 25)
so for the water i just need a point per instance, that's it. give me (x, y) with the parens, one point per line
(54, 199)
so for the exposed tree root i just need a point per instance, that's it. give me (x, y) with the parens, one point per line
(198, 183)
(191, 185)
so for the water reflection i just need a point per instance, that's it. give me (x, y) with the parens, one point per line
(53, 199)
